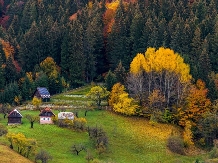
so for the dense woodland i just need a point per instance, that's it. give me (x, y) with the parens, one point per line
(66, 44)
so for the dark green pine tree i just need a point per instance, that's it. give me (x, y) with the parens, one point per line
(32, 48)
(200, 10)
(136, 32)
(53, 41)
(110, 80)
(76, 56)
(99, 46)
(146, 33)
(163, 39)
(2, 74)
(167, 8)
(186, 38)
(24, 91)
(118, 40)
(204, 68)
(65, 55)
(195, 51)
(29, 15)
(213, 46)
(90, 30)
(120, 73)
(41, 80)
(10, 70)
(177, 38)
(14, 28)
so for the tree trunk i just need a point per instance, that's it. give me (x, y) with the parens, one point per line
(31, 124)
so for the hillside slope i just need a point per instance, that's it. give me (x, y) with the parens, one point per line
(14, 157)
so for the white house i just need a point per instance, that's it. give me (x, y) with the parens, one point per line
(66, 115)
(46, 116)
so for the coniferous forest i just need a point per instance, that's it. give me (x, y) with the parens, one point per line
(79, 41)
(156, 58)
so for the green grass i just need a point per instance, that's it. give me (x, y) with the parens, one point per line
(131, 139)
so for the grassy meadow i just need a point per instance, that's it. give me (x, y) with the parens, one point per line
(131, 139)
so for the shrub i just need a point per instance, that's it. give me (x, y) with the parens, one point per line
(65, 123)
(175, 144)
(79, 124)
(43, 155)
(213, 153)
(3, 130)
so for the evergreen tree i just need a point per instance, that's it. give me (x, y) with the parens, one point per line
(29, 15)
(2, 75)
(30, 50)
(213, 46)
(110, 80)
(204, 68)
(10, 70)
(118, 39)
(120, 73)
(136, 31)
(195, 52)
(72, 56)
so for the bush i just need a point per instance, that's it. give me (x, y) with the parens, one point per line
(213, 153)
(175, 144)
(65, 123)
(3, 130)
(79, 124)
(43, 155)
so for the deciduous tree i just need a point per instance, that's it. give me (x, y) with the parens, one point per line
(97, 94)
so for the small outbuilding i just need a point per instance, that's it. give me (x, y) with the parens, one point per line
(14, 117)
(66, 115)
(42, 93)
(46, 116)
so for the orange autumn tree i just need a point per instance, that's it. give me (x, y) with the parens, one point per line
(159, 69)
(197, 104)
(7, 48)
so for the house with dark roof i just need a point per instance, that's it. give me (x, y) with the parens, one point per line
(14, 117)
(42, 93)
(46, 116)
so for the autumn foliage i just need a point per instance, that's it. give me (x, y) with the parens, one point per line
(162, 70)
(7, 48)
(121, 102)
(197, 104)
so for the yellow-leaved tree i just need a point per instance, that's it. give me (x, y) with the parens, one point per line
(97, 94)
(120, 101)
(125, 105)
(162, 70)
(49, 67)
(116, 91)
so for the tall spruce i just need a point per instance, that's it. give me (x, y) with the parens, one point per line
(2, 74)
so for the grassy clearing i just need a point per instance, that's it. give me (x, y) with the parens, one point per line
(131, 139)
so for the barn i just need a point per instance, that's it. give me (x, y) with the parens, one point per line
(14, 117)
(46, 116)
(42, 93)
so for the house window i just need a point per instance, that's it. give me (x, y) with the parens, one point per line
(43, 118)
(48, 119)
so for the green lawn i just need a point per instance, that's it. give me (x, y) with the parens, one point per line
(131, 139)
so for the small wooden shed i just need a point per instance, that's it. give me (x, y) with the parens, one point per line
(43, 93)
(46, 116)
(14, 117)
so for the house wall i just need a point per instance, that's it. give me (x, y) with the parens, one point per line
(14, 121)
(45, 120)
